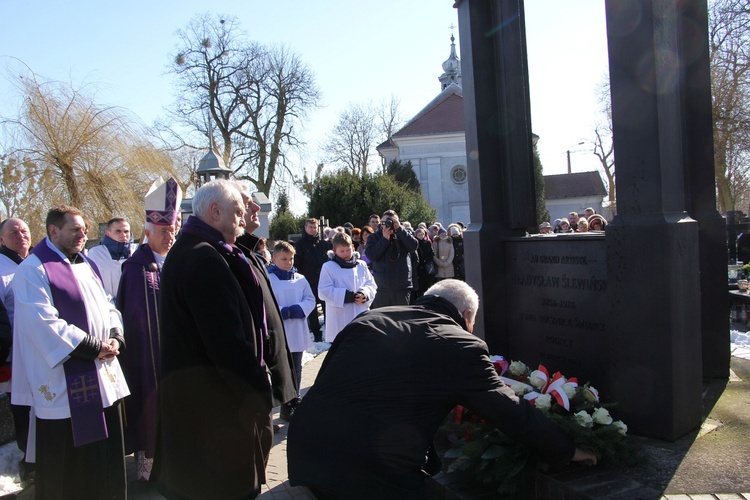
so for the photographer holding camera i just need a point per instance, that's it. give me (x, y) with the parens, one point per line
(388, 249)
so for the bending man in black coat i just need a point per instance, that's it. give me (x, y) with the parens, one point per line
(391, 376)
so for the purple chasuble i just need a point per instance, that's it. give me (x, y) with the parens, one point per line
(84, 394)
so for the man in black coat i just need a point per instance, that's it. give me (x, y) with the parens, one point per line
(311, 254)
(391, 376)
(215, 392)
(389, 249)
(282, 371)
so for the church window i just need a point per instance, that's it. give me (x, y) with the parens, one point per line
(458, 174)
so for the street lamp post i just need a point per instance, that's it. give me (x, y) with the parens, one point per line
(568, 153)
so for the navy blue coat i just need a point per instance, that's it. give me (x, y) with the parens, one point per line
(391, 265)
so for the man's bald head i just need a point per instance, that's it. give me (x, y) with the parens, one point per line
(15, 235)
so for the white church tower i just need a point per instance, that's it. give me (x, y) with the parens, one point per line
(451, 68)
(434, 141)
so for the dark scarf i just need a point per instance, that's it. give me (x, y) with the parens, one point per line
(243, 271)
(280, 273)
(346, 264)
(314, 238)
(11, 254)
(117, 249)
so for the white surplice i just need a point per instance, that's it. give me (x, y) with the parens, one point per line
(110, 269)
(289, 292)
(42, 341)
(334, 282)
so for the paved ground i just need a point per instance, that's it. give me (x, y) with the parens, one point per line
(714, 459)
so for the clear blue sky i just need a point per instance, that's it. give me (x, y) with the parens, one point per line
(359, 51)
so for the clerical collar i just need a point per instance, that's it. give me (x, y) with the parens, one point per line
(76, 259)
(12, 255)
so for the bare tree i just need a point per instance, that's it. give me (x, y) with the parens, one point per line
(23, 191)
(603, 147)
(64, 148)
(604, 150)
(729, 38)
(244, 97)
(390, 116)
(390, 121)
(350, 143)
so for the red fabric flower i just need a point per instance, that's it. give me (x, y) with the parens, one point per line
(458, 413)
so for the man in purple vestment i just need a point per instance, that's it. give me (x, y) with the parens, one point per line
(67, 338)
(138, 301)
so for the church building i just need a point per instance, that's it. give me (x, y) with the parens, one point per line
(434, 140)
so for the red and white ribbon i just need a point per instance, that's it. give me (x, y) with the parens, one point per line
(555, 386)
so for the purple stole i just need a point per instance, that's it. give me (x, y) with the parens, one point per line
(84, 394)
(263, 334)
(231, 253)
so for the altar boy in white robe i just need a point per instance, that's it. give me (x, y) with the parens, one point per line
(65, 365)
(296, 302)
(346, 285)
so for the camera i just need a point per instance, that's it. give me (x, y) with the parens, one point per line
(388, 223)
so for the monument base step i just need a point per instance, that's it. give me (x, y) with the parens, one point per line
(574, 482)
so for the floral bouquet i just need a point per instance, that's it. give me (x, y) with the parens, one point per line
(493, 457)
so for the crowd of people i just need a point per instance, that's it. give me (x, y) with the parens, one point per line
(404, 261)
(590, 221)
(178, 346)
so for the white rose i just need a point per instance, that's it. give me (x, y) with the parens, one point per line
(538, 381)
(601, 416)
(517, 368)
(520, 389)
(543, 402)
(591, 395)
(584, 419)
(621, 427)
(570, 389)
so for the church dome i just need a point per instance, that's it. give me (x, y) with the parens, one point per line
(451, 65)
(451, 68)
